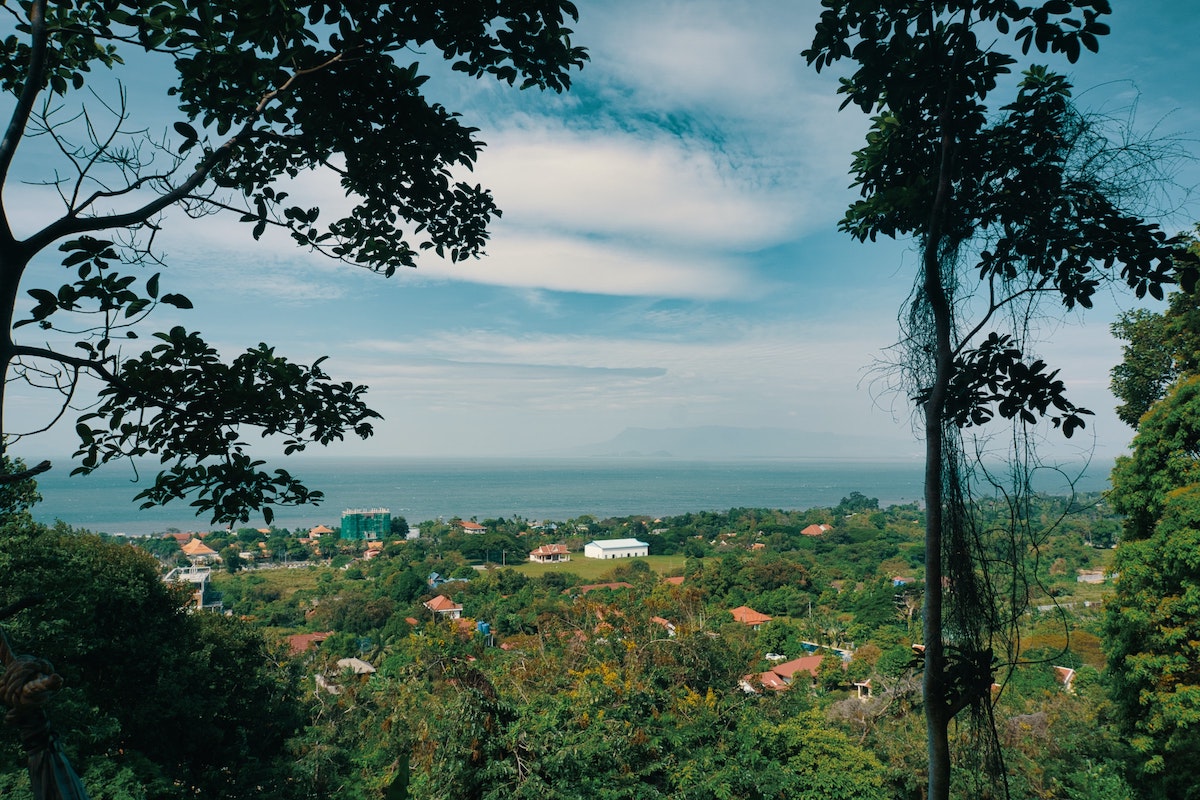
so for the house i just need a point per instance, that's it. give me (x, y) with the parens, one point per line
(674, 580)
(444, 606)
(816, 530)
(1066, 677)
(356, 665)
(666, 624)
(550, 554)
(303, 642)
(198, 576)
(320, 530)
(748, 616)
(198, 552)
(781, 676)
(471, 527)
(616, 548)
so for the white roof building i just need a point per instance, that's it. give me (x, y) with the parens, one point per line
(616, 548)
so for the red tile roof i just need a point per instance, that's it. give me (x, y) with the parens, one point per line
(442, 604)
(302, 642)
(788, 669)
(748, 616)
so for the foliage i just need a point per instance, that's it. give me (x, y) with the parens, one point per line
(1161, 348)
(139, 671)
(262, 93)
(1153, 623)
(16, 496)
(1008, 194)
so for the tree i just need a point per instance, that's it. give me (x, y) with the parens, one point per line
(1152, 624)
(1014, 196)
(1160, 349)
(137, 670)
(263, 92)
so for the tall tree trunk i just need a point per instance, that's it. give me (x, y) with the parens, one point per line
(938, 711)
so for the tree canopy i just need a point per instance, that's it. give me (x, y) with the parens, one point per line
(1153, 621)
(1160, 348)
(263, 93)
(1008, 193)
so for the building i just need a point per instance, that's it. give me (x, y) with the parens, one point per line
(444, 606)
(369, 524)
(781, 676)
(204, 598)
(549, 554)
(748, 616)
(616, 548)
(468, 526)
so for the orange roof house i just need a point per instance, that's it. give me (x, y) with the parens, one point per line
(674, 580)
(196, 549)
(550, 554)
(445, 606)
(302, 642)
(788, 669)
(816, 530)
(666, 624)
(781, 676)
(748, 616)
(471, 527)
(320, 530)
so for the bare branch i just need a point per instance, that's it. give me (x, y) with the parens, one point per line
(39, 46)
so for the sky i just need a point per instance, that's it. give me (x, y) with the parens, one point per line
(668, 255)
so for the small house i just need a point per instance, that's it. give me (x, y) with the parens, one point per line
(748, 616)
(444, 606)
(550, 554)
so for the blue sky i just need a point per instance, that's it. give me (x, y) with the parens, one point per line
(668, 254)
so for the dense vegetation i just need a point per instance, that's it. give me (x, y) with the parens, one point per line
(578, 691)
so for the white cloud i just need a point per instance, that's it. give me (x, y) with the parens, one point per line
(642, 187)
(569, 264)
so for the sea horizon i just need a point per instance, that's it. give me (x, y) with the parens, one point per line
(534, 488)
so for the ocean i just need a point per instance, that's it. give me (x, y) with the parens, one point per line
(536, 489)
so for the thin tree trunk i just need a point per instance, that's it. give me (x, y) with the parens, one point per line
(937, 705)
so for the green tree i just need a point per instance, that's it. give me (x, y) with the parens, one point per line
(18, 490)
(1152, 625)
(262, 92)
(1010, 196)
(138, 670)
(1159, 349)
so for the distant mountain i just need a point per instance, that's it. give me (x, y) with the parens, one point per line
(713, 442)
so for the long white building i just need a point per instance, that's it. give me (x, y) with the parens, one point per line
(616, 548)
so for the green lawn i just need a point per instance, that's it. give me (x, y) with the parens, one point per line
(287, 581)
(593, 569)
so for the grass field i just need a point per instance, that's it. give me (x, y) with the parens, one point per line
(290, 581)
(593, 568)
(287, 581)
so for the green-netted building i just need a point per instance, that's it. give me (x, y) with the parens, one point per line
(369, 524)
